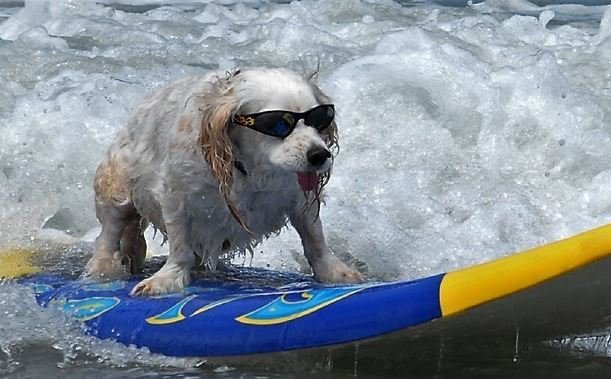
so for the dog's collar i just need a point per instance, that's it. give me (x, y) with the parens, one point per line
(240, 167)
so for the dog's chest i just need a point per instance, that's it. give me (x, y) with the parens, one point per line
(265, 211)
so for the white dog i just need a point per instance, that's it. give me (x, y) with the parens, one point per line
(217, 164)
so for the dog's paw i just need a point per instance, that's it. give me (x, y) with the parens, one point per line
(162, 283)
(346, 275)
(336, 271)
(351, 276)
(104, 267)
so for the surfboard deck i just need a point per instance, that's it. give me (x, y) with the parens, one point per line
(550, 291)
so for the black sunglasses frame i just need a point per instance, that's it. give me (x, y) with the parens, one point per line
(290, 118)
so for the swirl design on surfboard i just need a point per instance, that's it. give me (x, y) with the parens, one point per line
(90, 307)
(283, 309)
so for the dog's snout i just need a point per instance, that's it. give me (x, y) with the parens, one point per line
(318, 156)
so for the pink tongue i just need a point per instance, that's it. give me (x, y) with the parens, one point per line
(307, 180)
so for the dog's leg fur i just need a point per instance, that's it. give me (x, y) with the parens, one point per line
(115, 212)
(326, 266)
(175, 275)
(133, 245)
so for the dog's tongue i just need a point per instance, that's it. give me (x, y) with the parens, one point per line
(307, 180)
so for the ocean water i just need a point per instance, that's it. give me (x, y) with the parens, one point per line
(468, 131)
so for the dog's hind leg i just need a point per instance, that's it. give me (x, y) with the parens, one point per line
(133, 245)
(116, 212)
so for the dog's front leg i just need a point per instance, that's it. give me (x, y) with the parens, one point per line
(175, 275)
(326, 266)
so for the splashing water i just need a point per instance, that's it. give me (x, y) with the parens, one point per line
(466, 133)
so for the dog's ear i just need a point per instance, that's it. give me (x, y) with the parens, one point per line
(329, 135)
(214, 139)
(216, 145)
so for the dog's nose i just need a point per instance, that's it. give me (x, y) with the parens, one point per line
(318, 156)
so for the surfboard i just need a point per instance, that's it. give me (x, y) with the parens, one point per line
(546, 291)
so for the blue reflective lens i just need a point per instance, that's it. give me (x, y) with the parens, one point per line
(281, 128)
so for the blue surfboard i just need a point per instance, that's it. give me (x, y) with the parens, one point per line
(247, 316)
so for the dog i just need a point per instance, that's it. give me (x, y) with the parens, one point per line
(217, 163)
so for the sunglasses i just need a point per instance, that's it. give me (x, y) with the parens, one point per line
(282, 123)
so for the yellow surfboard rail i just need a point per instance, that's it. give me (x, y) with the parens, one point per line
(479, 284)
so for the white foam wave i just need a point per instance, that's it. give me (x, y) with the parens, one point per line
(466, 133)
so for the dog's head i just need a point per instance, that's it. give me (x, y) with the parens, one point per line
(270, 119)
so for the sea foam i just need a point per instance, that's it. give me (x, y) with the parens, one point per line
(466, 133)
